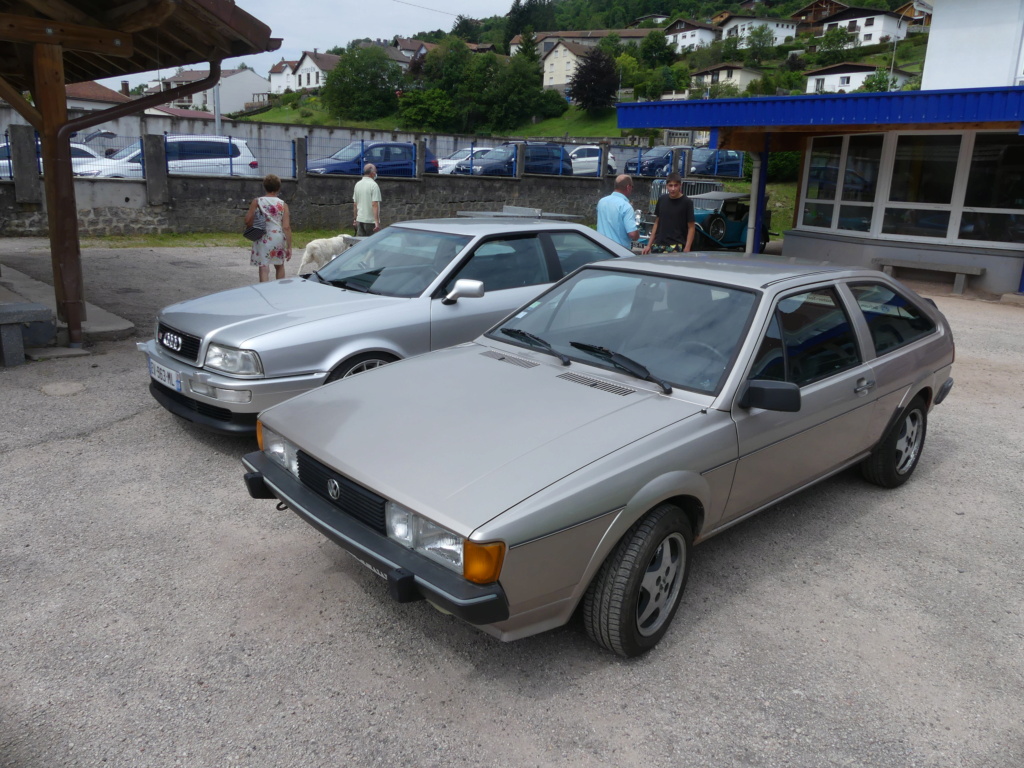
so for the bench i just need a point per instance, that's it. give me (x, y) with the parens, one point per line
(13, 315)
(960, 270)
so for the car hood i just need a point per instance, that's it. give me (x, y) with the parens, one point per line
(460, 436)
(241, 314)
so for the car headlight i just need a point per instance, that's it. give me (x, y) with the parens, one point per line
(238, 362)
(479, 563)
(280, 450)
(478, 169)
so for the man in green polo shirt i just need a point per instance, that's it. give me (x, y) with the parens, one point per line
(366, 202)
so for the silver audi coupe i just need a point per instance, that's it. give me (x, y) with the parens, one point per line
(571, 456)
(219, 360)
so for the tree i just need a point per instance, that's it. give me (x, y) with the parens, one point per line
(465, 28)
(611, 44)
(878, 81)
(528, 46)
(833, 45)
(431, 110)
(595, 81)
(760, 43)
(629, 70)
(656, 51)
(514, 94)
(363, 85)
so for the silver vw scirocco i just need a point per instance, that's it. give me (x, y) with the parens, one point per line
(571, 456)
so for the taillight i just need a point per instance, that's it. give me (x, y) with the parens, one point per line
(254, 164)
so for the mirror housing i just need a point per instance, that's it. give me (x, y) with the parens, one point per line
(771, 396)
(464, 289)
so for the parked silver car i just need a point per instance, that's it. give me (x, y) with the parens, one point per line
(571, 456)
(412, 287)
(198, 155)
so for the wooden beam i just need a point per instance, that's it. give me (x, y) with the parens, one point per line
(61, 10)
(21, 105)
(74, 37)
(141, 14)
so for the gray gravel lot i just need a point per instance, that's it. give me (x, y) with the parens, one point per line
(152, 614)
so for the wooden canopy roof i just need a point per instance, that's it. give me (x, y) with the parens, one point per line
(113, 38)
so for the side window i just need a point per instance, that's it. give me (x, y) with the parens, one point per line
(505, 263)
(893, 320)
(574, 250)
(809, 338)
(375, 155)
(173, 151)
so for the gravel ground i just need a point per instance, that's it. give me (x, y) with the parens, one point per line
(153, 614)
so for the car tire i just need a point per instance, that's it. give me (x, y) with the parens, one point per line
(632, 600)
(894, 459)
(715, 227)
(763, 243)
(359, 364)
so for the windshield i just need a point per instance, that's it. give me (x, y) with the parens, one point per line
(700, 155)
(684, 332)
(394, 262)
(501, 153)
(126, 153)
(349, 152)
(458, 154)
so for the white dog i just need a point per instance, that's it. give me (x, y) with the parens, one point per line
(319, 252)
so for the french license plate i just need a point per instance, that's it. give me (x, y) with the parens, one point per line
(164, 375)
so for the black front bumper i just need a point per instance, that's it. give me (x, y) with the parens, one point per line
(209, 417)
(410, 576)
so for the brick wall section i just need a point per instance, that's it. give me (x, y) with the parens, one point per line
(213, 204)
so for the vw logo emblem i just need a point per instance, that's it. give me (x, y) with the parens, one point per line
(333, 489)
(171, 341)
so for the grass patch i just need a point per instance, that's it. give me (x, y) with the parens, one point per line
(576, 122)
(200, 239)
(319, 116)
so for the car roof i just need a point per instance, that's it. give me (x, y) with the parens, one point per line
(721, 196)
(755, 273)
(485, 225)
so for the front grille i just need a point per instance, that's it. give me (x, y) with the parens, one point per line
(178, 343)
(205, 409)
(354, 500)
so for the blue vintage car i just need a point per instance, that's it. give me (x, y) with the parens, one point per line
(722, 221)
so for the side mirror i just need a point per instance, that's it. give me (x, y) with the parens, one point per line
(771, 396)
(464, 289)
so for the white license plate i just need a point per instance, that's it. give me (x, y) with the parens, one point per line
(164, 375)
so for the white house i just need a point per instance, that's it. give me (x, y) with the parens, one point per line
(238, 87)
(989, 46)
(282, 76)
(560, 64)
(687, 35)
(547, 40)
(870, 25)
(311, 70)
(847, 77)
(741, 26)
(726, 73)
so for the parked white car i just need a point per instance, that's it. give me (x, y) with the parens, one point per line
(194, 155)
(586, 158)
(80, 156)
(446, 164)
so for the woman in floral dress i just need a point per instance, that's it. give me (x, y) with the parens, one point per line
(275, 247)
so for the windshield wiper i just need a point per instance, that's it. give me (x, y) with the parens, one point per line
(349, 283)
(627, 364)
(537, 341)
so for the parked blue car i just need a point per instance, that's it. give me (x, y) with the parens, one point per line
(392, 158)
(655, 161)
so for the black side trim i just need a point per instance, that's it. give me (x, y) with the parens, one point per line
(208, 417)
(943, 391)
(407, 573)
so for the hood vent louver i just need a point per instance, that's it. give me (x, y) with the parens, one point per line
(605, 386)
(521, 362)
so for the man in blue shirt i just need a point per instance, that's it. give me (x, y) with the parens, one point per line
(615, 217)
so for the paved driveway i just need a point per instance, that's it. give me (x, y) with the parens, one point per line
(152, 614)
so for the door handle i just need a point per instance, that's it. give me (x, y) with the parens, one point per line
(864, 386)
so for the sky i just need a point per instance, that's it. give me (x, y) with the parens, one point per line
(307, 24)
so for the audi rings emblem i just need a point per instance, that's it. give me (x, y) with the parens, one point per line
(333, 489)
(172, 341)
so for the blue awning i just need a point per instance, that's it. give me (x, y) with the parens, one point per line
(834, 111)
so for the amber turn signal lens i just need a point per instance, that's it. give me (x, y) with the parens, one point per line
(481, 563)
(259, 433)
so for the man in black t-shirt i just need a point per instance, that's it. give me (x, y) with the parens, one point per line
(674, 224)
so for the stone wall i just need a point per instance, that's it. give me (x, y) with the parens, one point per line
(218, 204)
